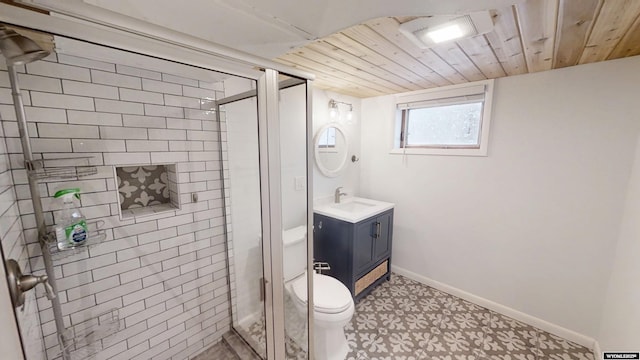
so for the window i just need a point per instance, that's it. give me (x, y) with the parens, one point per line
(450, 121)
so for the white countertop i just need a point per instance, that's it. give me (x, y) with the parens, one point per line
(351, 209)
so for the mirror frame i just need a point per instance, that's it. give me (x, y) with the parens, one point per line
(316, 139)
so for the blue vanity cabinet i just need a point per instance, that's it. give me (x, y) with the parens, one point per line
(363, 244)
(359, 254)
(382, 244)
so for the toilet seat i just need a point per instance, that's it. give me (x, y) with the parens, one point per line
(330, 296)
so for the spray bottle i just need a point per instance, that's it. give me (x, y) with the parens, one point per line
(71, 228)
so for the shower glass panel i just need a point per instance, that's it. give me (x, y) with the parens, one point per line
(153, 284)
(244, 229)
(293, 163)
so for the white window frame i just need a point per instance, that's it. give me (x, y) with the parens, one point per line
(432, 96)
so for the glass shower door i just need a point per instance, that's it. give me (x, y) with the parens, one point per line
(267, 194)
(294, 192)
(244, 229)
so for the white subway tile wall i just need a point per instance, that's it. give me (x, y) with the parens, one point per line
(14, 247)
(165, 273)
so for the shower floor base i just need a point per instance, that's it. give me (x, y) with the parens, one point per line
(256, 335)
(231, 347)
(219, 351)
(239, 346)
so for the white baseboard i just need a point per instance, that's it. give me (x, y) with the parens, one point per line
(597, 353)
(570, 335)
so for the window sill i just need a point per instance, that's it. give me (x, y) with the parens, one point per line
(445, 152)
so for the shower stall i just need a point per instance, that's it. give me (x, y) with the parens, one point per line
(244, 235)
(191, 166)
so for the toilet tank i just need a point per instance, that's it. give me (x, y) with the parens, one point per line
(295, 252)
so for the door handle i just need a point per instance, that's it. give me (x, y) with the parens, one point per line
(19, 283)
(263, 288)
(378, 230)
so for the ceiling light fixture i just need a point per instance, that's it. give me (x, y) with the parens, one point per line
(430, 31)
(446, 33)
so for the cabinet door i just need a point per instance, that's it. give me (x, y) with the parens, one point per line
(382, 243)
(363, 246)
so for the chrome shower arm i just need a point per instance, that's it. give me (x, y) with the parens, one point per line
(20, 116)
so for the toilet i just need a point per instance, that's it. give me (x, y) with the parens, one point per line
(332, 301)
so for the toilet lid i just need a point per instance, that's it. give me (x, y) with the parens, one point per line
(330, 296)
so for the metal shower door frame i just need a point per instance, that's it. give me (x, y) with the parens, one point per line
(268, 94)
(272, 228)
(271, 205)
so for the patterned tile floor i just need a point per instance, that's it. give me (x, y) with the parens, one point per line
(405, 320)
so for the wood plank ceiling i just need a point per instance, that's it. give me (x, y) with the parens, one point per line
(374, 58)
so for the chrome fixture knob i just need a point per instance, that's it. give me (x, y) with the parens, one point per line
(19, 284)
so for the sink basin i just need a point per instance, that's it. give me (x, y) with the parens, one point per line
(353, 206)
(352, 209)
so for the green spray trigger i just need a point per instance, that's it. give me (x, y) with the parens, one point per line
(63, 192)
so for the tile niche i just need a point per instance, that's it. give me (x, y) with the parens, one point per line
(145, 190)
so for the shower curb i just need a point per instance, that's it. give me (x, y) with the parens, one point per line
(239, 347)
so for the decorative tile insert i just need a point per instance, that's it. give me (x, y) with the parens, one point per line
(147, 189)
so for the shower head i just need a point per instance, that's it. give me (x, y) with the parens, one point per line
(19, 49)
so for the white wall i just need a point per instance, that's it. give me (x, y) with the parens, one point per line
(620, 329)
(293, 157)
(349, 179)
(533, 226)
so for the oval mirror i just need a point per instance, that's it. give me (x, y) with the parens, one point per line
(331, 149)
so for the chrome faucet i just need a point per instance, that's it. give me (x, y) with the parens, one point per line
(338, 194)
